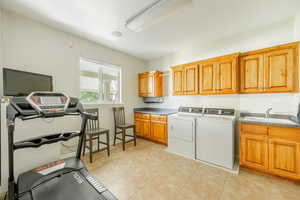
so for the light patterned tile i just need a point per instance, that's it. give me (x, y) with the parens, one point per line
(147, 171)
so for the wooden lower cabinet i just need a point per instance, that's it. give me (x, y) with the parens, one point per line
(138, 127)
(142, 127)
(284, 158)
(254, 151)
(154, 128)
(271, 149)
(159, 131)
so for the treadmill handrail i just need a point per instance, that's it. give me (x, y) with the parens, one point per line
(37, 142)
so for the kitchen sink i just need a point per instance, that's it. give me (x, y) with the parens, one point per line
(269, 120)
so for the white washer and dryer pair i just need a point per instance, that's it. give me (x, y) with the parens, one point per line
(205, 134)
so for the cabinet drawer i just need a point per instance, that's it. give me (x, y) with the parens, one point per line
(162, 118)
(254, 129)
(141, 116)
(136, 115)
(292, 134)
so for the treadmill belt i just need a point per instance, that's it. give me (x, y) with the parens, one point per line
(70, 186)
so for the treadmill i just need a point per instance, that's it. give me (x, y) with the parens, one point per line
(66, 179)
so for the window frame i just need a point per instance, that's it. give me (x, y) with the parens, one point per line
(109, 65)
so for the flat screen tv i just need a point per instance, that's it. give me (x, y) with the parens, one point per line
(21, 83)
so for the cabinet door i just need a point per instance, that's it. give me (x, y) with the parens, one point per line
(158, 84)
(143, 85)
(284, 157)
(191, 79)
(227, 76)
(207, 77)
(146, 129)
(151, 85)
(159, 131)
(252, 73)
(139, 127)
(178, 84)
(279, 68)
(254, 151)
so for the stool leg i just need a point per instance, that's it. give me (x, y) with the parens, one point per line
(123, 138)
(91, 149)
(134, 135)
(115, 136)
(84, 145)
(108, 143)
(98, 142)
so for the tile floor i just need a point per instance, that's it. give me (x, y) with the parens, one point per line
(147, 171)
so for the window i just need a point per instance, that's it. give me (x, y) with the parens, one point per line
(99, 82)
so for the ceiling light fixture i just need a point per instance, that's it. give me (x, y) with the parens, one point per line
(154, 13)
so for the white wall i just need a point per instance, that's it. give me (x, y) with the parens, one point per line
(297, 26)
(32, 46)
(1, 38)
(269, 36)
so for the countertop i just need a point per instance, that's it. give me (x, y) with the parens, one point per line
(276, 116)
(155, 111)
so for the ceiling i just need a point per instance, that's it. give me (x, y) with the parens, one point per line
(201, 22)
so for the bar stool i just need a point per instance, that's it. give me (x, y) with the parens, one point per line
(121, 126)
(93, 132)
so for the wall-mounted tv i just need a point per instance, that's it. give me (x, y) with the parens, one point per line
(21, 83)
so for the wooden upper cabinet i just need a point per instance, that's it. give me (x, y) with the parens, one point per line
(227, 75)
(207, 78)
(270, 70)
(191, 80)
(185, 79)
(143, 85)
(252, 73)
(151, 84)
(178, 80)
(279, 69)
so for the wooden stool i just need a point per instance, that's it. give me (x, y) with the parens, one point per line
(121, 127)
(94, 132)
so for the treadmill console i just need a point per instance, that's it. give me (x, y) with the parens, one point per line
(48, 103)
(44, 104)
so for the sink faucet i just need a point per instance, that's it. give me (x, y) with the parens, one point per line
(268, 112)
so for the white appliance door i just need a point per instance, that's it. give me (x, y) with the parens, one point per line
(182, 135)
(215, 141)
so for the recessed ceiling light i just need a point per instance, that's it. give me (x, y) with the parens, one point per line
(117, 34)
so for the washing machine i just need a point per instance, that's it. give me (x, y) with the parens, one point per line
(182, 130)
